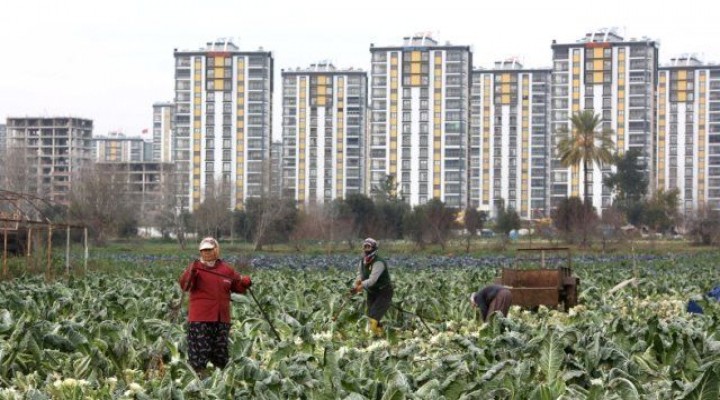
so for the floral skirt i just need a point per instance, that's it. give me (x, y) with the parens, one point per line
(208, 341)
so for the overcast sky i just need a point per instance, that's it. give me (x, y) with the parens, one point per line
(111, 60)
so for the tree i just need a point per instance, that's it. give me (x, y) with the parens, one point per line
(660, 211)
(506, 219)
(363, 211)
(585, 145)
(473, 220)
(414, 224)
(213, 216)
(100, 200)
(573, 217)
(629, 183)
(440, 221)
(704, 225)
(387, 190)
(269, 219)
(169, 218)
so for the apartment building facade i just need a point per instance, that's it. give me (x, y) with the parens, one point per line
(509, 139)
(324, 124)
(116, 147)
(419, 120)
(47, 154)
(615, 78)
(222, 123)
(688, 132)
(163, 114)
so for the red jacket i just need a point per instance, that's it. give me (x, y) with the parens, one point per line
(210, 290)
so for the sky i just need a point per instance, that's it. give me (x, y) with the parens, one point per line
(109, 61)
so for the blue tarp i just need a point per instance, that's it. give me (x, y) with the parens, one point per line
(694, 307)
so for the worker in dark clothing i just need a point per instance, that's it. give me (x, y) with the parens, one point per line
(491, 299)
(374, 277)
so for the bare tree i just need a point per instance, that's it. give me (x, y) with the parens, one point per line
(16, 175)
(266, 216)
(213, 216)
(170, 218)
(100, 200)
(704, 225)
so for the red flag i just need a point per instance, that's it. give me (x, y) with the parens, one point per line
(144, 131)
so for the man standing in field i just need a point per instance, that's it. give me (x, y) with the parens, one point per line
(374, 277)
(491, 299)
(210, 281)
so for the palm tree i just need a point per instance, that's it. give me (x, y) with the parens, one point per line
(585, 144)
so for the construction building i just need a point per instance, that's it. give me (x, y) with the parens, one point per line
(45, 154)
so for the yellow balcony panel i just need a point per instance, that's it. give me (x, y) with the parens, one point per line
(682, 85)
(415, 80)
(576, 70)
(598, 52)
(682, 96)
(597, 76)
(416, 56)
(598, 64)
(682, 74)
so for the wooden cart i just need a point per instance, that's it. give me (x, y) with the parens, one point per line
(551, 287)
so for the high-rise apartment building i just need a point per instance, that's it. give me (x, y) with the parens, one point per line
(116, 147)
(419, 121)
(509, 136)
(47, 154)
(162, 131)
(222, 127)
(688, 132)
(615, 78)
(276, 162)
(324, 111)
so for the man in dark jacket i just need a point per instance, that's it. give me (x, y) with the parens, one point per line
(210, 282)
(490, 299)
(374, 277)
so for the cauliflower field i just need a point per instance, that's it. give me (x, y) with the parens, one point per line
(118, 333)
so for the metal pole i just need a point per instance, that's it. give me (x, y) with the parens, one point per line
(5, 252)
(67, 250)
(29, 247)
(49, 249)
(85, 244)
(264, 315)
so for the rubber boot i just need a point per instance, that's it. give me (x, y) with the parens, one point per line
(376, 327)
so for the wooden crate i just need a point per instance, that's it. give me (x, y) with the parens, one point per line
(533, 297)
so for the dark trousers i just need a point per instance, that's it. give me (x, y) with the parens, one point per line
(208, 341)
(500, 303)
(379, 301)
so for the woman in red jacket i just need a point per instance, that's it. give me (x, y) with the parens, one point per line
(210, 281)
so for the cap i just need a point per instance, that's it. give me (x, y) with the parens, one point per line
(371, 242)
(208, 243)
